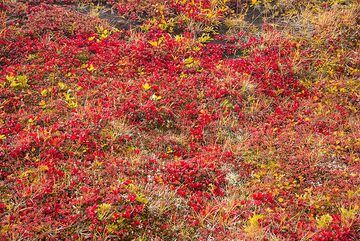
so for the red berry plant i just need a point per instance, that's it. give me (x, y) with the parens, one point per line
(179, 120)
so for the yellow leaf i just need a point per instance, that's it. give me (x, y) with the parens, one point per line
(205, 37)
(169, 150)
(22, 80)
(62, 85)
(183, 75)
(26, 173)
(347, 215)
(31, 121)
(91, 68)
(324, 221)
(154, 43)
(156, 97)
(19, 82)
(67, 96)
(252, 227)
(111, 228)
(104, 34)
(254, 220)
(196, 48)
(98, 163)
(10, 78)
(103, 210)
(146, 86)
(178, 38)
(5, 229)
(42, 103)
(43, 168)
(44, 92)
(140, 198)
(255, 2)
(72, 104)
(188, 60)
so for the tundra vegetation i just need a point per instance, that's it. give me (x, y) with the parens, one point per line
(179, 120)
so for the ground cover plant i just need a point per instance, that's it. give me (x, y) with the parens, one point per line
(179, 120)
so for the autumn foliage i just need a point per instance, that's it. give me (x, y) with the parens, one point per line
(179, 120)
